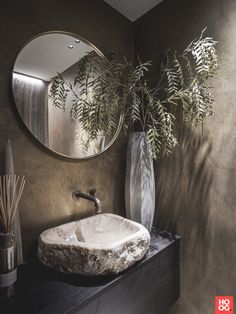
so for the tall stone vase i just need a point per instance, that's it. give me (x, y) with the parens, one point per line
(140, 182)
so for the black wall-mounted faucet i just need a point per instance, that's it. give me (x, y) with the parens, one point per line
(90, 197)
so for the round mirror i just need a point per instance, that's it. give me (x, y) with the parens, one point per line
(57, 78)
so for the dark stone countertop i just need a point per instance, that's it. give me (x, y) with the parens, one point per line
(39, 287)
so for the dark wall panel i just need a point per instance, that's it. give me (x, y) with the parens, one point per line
(196, 186)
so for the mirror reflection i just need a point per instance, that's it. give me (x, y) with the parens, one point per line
(56, 78)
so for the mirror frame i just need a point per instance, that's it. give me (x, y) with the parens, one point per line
(117, 132)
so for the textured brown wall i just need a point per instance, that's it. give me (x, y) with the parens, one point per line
(47, 198)
(196, 186)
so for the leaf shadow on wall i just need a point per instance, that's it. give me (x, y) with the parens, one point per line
(183, 182)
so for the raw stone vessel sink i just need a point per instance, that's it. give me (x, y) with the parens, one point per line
(97, 245)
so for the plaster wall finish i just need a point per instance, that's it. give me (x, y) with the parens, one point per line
(196, 186)
(47, 199)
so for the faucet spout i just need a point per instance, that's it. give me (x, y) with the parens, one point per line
(98, 209)
(90, 197)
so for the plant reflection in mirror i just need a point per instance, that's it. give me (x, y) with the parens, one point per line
(103, 90)
(86, 144)
(95, 92)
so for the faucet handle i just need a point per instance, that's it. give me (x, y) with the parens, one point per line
(92, 191)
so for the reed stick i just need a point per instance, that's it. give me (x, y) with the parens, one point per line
(11, 189)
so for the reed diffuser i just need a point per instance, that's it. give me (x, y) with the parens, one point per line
(11, 189)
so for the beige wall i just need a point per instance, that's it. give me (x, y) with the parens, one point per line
(47, 197)
(196, 186)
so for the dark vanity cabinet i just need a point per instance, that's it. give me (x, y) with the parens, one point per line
(149, 287)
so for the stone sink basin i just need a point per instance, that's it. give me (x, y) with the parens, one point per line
(97, 245)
